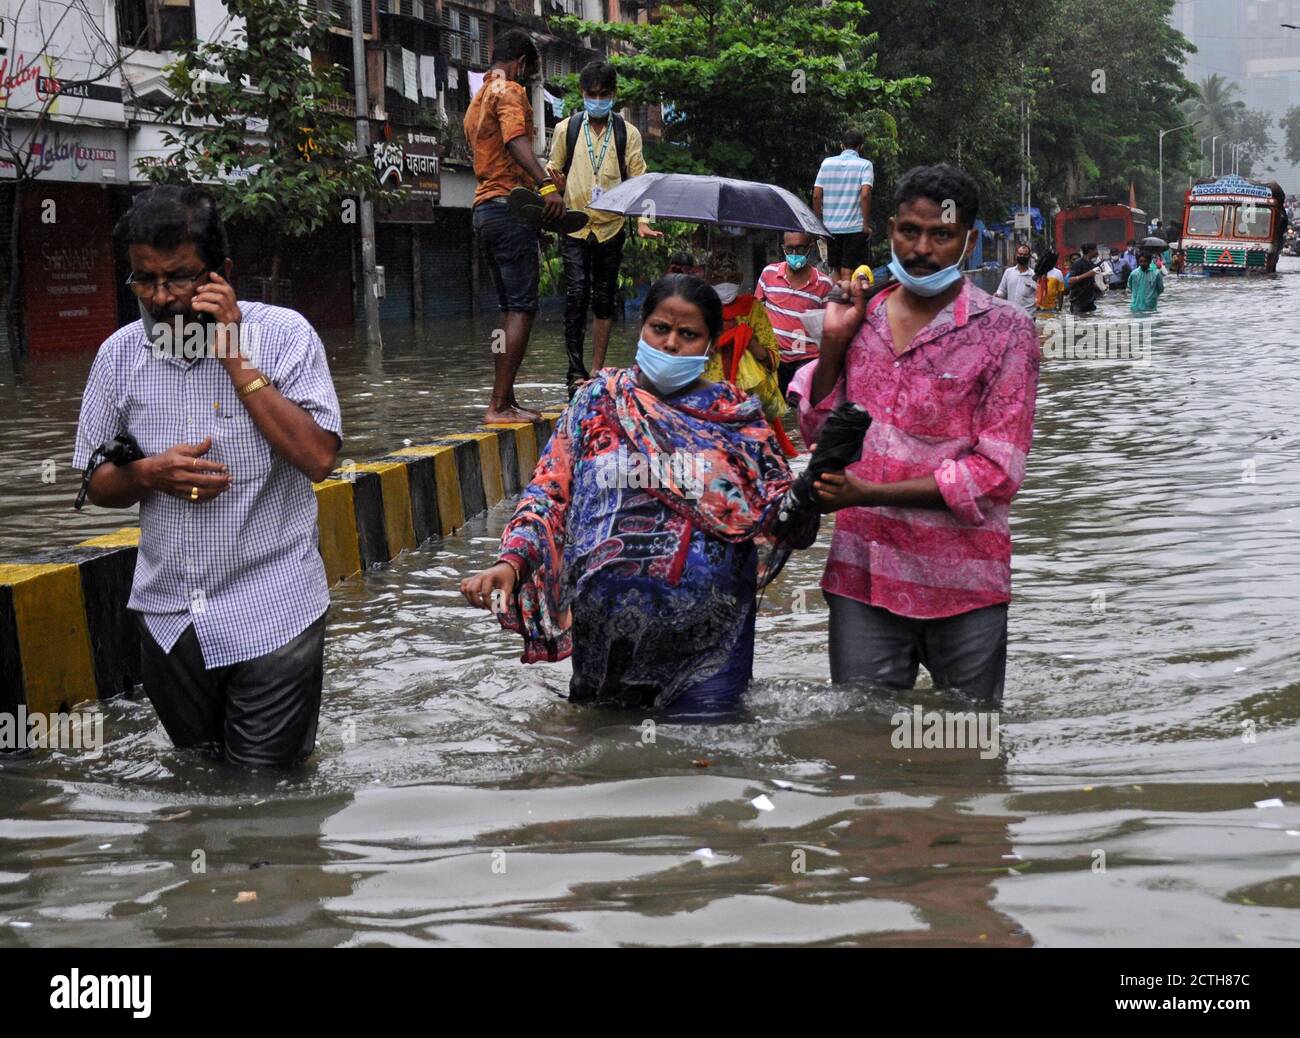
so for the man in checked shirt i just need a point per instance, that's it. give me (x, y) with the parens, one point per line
(920, 563)
(229, 581)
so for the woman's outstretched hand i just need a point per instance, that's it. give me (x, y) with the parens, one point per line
(490, 588)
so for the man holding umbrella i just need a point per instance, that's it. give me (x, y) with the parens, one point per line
(786, 289)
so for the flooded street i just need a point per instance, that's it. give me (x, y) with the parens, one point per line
(1152, 701)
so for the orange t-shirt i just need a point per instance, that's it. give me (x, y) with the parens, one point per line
(499, 113)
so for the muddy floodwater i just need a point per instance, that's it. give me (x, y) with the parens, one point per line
(1146, 788)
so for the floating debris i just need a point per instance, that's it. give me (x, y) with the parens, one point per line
(700, 763)
(1272, 802)
(763, 803)
(245, 896)
(782, 784)
(706, 853)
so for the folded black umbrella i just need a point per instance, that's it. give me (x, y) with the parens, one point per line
(838, 447)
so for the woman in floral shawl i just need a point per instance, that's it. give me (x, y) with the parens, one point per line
(634, 547)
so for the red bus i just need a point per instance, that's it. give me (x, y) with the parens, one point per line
(1108, 225)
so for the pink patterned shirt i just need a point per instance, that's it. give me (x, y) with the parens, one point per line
(958, 403)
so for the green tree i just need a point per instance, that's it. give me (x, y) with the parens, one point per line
(1251, 133)
(1111, 81)
(1214, 103)
(974, 55)
(760, 90)
(264, 125)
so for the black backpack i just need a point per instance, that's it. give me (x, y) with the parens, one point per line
(620, 142)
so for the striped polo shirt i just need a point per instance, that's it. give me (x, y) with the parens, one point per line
(785, 303)
(841, 178)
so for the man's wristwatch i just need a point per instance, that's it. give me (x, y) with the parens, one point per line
(261, 382)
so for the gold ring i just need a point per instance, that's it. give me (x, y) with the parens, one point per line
(194, 493)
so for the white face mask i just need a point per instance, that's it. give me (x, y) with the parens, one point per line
(727, 292)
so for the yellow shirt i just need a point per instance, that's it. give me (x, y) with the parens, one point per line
(751, 376)
(582, 178)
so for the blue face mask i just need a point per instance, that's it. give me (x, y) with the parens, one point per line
(932, 284)
(796, 260)
(598, 109)
(668, 372)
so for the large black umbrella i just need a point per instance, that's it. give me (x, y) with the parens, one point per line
(1159, 244)
(713, 200)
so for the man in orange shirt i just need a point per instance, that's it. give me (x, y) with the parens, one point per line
(499, 129)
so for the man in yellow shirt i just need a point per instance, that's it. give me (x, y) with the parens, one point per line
(592, 152)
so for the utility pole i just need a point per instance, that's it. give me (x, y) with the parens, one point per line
(369, 274)
(1160, 147)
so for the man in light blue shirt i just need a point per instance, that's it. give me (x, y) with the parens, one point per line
(842, 201)
(229, 581)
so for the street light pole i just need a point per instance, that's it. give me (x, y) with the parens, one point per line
(1201, 152)
(1160, 147)
(369, 273)
(1214, 150)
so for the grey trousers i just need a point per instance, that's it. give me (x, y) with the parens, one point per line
(259, 713)
(966, 654)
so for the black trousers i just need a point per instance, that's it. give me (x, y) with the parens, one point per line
(966, 653)
(591, 281)
(258, 713)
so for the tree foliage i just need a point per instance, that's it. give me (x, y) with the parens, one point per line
(758, 89)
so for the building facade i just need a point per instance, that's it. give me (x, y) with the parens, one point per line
(80, 114)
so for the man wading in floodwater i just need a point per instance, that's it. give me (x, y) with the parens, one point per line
(920, 564)
(229, 583)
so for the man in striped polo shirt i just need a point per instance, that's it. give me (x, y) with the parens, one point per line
(788, 289)
(842, 201)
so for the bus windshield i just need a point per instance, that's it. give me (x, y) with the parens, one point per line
(1254, 221)
(1205, 221)
(1098, 232)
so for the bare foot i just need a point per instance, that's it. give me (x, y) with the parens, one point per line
(533, 416)
(506, 416)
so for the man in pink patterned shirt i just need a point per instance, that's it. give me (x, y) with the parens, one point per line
(920, 563)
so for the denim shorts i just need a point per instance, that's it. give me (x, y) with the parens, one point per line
(510, 250)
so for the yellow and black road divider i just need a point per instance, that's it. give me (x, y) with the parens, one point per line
(66, 635)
